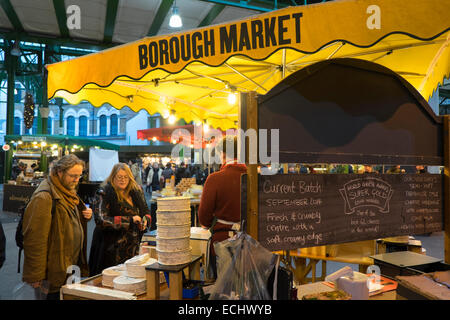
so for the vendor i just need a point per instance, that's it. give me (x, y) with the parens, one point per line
(219, 208)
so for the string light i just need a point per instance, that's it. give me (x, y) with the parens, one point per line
(28, 111)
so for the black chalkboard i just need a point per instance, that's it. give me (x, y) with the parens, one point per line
(305, 210)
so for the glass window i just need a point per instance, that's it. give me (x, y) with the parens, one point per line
(114, 124)
(35, 124)
(71, 125)
(103, 125)
(17, 123)
(49, 125)
(82, 127)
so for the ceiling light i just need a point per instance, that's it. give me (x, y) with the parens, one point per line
(175, 19)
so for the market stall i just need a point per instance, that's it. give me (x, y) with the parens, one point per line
(38, 151)
(296, 212)
(190, 75)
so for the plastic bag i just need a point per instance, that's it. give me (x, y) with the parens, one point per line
(243, 269)
(23, 291)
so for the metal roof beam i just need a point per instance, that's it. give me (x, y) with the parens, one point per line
(12, 15)
(110, 21)
(212, 14)
(263, 6)
(163, 10)
(50, 40)
(61, 17)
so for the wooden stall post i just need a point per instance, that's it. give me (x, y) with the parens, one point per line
(248, 119)
(446, 193)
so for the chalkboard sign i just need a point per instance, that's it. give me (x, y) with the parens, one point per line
(305, 210)
(16, 196)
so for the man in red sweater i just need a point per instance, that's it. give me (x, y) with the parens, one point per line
(220, 203)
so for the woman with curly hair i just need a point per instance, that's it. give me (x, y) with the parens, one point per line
(121, 216)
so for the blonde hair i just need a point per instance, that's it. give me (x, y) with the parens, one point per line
(132, 184)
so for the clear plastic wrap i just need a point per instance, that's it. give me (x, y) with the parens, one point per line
(23, 291)
(243, 269)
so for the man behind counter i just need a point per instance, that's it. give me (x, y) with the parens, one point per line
(219, 207)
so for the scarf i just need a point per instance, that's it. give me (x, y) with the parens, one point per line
(69, 196)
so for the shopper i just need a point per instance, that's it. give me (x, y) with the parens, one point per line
(136, 170)
(2, 245)
(15, 170)
(154, 178)
(54, 229)
(167, 172)
(121, 216)
(219, 208)
(181, 172)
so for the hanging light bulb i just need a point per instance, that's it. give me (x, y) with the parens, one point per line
(154, 139)
(175, 19)
(205, 127)
(232, 97)
(172, 117)
(166, 114)
(15, 49)
(43, 143)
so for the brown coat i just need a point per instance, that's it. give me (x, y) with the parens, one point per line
(48, 240)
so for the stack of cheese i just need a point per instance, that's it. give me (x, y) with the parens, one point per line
(134, 281)
(109, 274)
(173, 230)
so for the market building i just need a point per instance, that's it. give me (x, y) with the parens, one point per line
(349, 99)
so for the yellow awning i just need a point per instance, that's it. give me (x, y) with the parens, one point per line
(193, 72)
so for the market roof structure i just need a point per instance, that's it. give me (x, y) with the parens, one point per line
(192, 73)
(105, 23)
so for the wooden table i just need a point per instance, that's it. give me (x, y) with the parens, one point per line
(155, 289)
(175, 278)
(302, 269)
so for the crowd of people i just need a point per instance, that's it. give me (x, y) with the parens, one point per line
(153, 176)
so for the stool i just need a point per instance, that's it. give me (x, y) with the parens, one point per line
(175, 277)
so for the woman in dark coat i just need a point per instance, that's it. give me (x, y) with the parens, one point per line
(121, 216)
